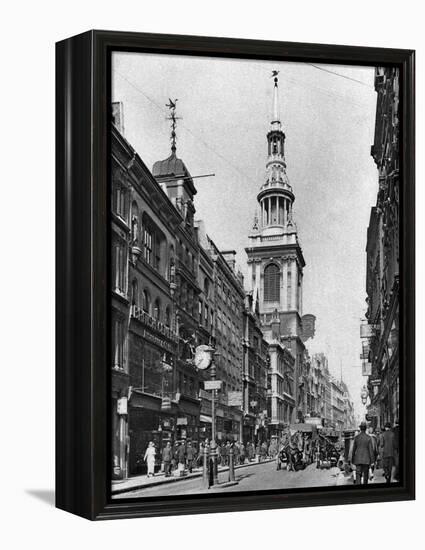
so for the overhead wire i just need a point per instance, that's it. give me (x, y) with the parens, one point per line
(208, 146)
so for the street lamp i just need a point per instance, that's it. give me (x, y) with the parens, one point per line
(203, 360)
(364, 395)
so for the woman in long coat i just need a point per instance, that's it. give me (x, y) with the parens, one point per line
(150, 458)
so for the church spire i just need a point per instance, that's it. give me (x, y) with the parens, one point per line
(276, 196)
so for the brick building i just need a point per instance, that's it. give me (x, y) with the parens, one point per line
(255, 373)
(380, 335)
(143, 335)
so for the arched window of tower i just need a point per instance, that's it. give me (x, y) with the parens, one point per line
(272, 283)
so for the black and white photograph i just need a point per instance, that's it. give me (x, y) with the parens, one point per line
(254, 275)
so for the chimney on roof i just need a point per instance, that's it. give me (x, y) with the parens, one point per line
(230, 257)
(118, 116)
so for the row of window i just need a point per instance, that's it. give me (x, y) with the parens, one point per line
(154, 308)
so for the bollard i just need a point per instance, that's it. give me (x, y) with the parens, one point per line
(231, 465)
(205, 476)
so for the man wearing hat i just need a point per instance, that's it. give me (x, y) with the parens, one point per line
(362, 456)
(388, 451)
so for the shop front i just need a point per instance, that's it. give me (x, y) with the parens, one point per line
(149, 421)
(119, 420)
(248, 431)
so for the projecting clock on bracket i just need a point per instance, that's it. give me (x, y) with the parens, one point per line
(203, 357)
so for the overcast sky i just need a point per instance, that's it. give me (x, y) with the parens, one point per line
(328, 120)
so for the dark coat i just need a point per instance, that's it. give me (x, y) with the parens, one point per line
(180, 454)
(388, 444)
(167, 454)
(363, 449)
(190, 453)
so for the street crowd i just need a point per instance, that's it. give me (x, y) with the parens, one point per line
(371, 449)
(376, 449)
(183, 456)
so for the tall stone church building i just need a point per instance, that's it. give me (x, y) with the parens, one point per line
(275, 274)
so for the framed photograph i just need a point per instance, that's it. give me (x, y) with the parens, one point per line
(235, 275)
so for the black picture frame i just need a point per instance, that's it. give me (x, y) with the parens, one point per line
(82, 373)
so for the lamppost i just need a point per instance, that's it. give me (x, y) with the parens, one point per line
(203, 360)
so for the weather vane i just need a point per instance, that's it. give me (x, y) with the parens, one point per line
(274, 75)
(172, 106)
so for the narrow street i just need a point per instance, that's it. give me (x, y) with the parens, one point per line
(252, 478)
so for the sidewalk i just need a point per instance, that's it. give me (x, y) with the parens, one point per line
(140, 482)
(349, 479)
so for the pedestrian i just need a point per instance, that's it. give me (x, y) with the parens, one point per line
(375, 452)
(174, 457)
(200, 459)
(218, 453)
(190, 456)
(228, 445)
(363, 455)
(263, 451)
(167, 455)
(242, 455)
(223, 454)
(236, 453)
(249, 451)
(257, 452)
(150, 458)
(379, 443)
(181, 457)
(388, 451)
(396, 451)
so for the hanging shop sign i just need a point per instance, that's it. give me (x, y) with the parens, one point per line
(212, 385)
(367, 330)
(182, 421)
(122, 405)
(166, 404)
(372, 410)
(160, 342)
(366, 368)
(234, 399)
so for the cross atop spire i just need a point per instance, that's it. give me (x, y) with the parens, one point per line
(172, 106)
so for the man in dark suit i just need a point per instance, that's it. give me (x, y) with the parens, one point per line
(363, 455)
(388, 451)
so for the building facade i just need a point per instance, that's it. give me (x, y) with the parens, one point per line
(380, 335)
(175, 180)
(337, 404)
(143, 331)
(255, 374)
(281, 387)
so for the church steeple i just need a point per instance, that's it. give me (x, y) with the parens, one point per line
(276, 196)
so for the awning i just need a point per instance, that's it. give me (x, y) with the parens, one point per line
(205, 418)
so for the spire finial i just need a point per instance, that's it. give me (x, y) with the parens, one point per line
(172, 106)
(276, 117)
